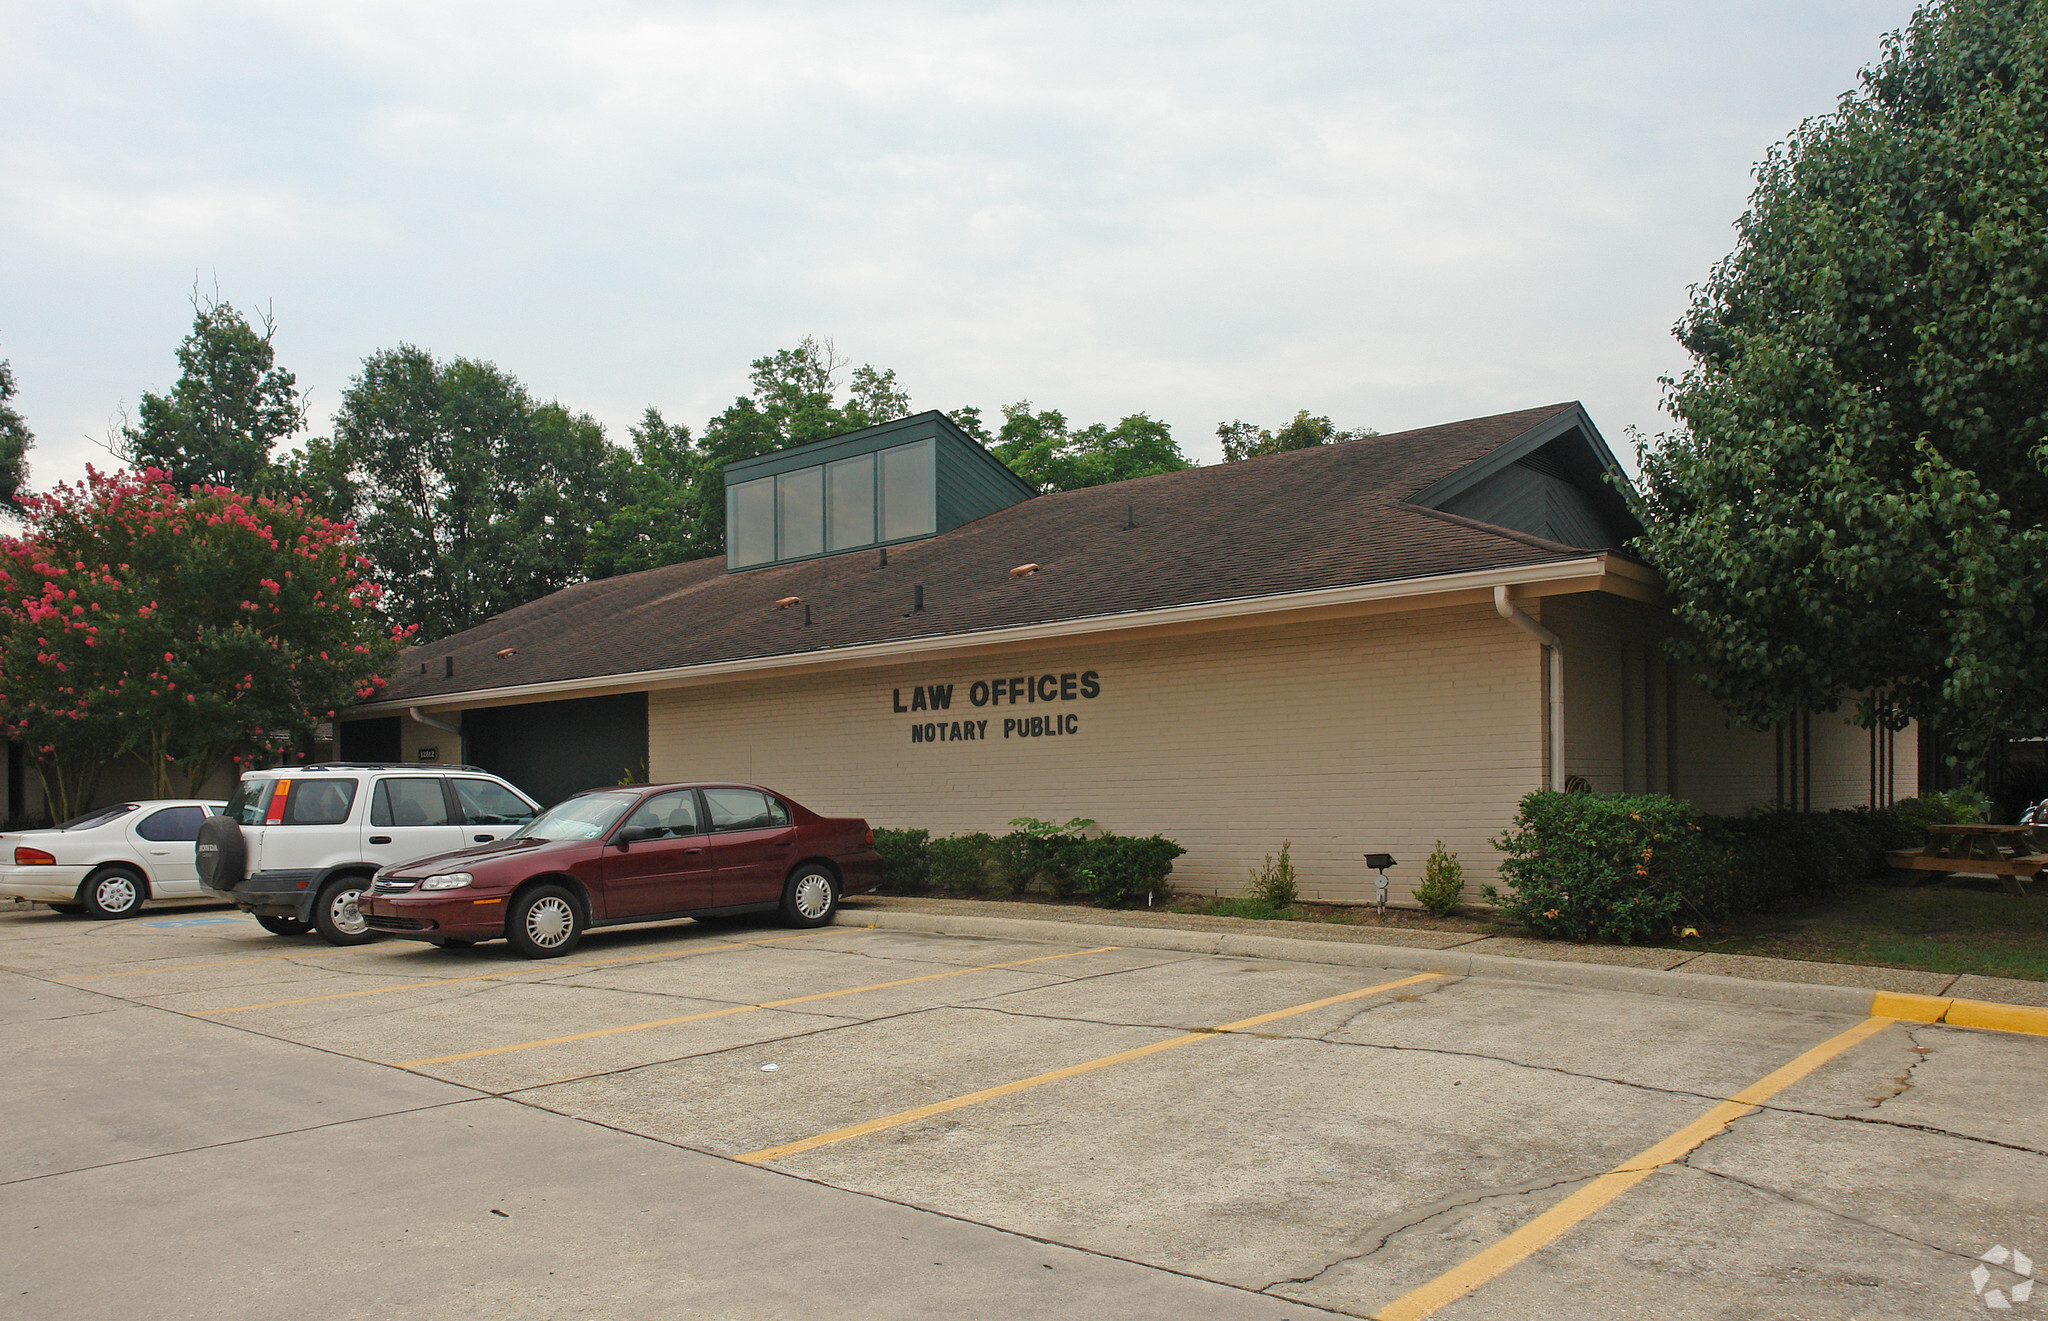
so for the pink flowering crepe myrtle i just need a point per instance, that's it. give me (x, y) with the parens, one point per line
(191, 629)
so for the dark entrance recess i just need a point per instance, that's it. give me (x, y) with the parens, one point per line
(554, 749)
(369, 740)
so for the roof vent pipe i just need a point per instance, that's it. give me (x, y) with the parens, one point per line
(1513, 615)
(432, 722)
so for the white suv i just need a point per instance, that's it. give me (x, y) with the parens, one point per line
(297, 846)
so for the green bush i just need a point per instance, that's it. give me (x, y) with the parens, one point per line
(965, 864)
(1120, 869)
(1588, 867)
(906, 860)
(1050, 853)
(1274, 885)
(1443, 882)
(1956, 807)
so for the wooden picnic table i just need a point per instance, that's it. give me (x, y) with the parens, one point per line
(1976, 850)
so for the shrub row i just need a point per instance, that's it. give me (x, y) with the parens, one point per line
(1627, 867)
(1058, 859)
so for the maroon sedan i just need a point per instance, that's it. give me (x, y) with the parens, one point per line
(638, 854)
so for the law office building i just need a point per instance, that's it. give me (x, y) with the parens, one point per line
(1367, 646)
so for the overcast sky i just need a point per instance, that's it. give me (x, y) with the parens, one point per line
(1393, 214)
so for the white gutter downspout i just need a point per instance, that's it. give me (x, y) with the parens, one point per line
(1514, 616)
(434, 722)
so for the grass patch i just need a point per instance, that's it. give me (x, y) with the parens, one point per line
(1958, 928)
(1253, 907)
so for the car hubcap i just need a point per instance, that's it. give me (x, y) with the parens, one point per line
(813, 896)
(549, 922)
(116, 894)
(347, 917)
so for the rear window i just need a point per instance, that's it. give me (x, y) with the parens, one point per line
(98, 818)
(245, 804)
(417, 801)
(320, 802)
(173, 824)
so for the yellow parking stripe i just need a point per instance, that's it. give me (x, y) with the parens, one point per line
(747, 1009)
(508, 972)
(1073, 1070)
(1552, 1224)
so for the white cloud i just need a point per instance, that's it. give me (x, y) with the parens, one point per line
(1390, 213)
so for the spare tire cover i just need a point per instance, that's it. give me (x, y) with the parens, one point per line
(221, 854)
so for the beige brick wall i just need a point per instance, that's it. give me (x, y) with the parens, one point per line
(1384, 732)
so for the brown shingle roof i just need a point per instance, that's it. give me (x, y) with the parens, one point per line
(1333, 516)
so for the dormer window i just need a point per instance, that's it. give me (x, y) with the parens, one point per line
(896, 482)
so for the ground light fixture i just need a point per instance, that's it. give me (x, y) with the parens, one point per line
(1379, 862)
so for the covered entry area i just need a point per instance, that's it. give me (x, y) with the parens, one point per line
(554, 749)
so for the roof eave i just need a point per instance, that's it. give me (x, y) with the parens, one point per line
(1598, 572)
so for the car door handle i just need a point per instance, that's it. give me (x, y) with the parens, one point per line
(688, 852)
(483, 839)
(380, 839)
(784, 843)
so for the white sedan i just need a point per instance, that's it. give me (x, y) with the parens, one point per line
(109, 862)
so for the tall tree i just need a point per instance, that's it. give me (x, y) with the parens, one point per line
(231, 406)
(1044, 451)
(471, 497)
(188, 628)
(653, 517)
(15, 439)
(794, 401)
(1242, 440)
(1855, 507)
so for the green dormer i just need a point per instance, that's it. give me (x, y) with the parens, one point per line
(900, 481)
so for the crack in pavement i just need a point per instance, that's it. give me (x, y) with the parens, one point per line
(1796, 1200)
(253, 1137)
(1905, 1080)
(1388, 1228)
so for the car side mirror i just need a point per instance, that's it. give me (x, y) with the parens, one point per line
(634, 834)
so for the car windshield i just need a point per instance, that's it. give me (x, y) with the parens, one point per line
(99, 818)
(585, 816)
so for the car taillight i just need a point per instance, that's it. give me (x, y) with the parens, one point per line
(28, 857)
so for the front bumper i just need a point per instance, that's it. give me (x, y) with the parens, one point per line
(450, 914)
(45, 885)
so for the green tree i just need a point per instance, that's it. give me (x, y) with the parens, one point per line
(15, 439)
(794, 401)
(1242, 440)
(1040, 448)
(188, 628)
(653, 519)
(1853, 507)
(231, 406)
(471, 497)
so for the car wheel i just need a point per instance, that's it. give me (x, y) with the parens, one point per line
(809, 898)
(282, 926)
(337, 915)
(544, 923)
(68, 910)
(113, 892)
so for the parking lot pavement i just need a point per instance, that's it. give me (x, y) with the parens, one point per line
(747, 1121)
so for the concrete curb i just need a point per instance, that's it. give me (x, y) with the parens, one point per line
(1596, 976)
